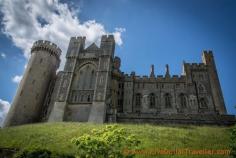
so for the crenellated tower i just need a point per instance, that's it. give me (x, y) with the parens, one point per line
(102, 94)
(76, 46)
(208, 60)
(41, 69)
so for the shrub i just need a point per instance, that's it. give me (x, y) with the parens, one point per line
(33, 153)
(107, 142)
(40, 153)
(233, 142)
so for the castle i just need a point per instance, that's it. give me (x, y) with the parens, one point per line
(92, 88)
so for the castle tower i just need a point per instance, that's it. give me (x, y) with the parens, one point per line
(76, 45)
(27, 104)
(102, 95)
(208, 59)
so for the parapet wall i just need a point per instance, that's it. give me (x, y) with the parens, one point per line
(46, 46)
(174, 78)
(196, 65)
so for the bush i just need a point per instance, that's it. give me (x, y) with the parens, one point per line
(107, 142)
(33, 153)
(40, 153)
(233, 142)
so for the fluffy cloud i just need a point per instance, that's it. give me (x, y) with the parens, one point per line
(4, 107)
(16, 79)
(27, 21)
(3, 55)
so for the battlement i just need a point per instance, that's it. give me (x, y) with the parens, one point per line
(46, 46)
(108, 38)
(174, 78)
(209, 52)
(196, 65)
(78, 38)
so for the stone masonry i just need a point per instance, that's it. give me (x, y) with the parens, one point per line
(92, 88)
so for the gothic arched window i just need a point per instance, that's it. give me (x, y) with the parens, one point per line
(152, 100)
(167, 100)
(183, 101)
(92, 79)
(138, 100)
(88, 98)
(86, 77)
(81, 98)
(201, 88)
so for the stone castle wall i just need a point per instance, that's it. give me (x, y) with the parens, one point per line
(92, 88)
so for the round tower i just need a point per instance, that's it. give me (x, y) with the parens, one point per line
(28, 102)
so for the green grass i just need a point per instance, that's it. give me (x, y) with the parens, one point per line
(57, 137)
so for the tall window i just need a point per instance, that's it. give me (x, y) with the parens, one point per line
(86, 77)
(88, 98)
(152, 100)
(183, 101)
(167, 100)
(92, 79)
(138, 100)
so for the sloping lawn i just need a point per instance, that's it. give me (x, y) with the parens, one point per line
(56, 137)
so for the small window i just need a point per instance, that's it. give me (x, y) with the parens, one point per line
(82, 98)
(88, 99)
(167, 97)
(203, 102)
(152, 100)
(183, 101)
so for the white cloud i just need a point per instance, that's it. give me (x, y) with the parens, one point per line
(3, 55)
(16, 79)
(27, 21)
(4, 107)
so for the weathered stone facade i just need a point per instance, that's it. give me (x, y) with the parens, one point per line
(92, 88)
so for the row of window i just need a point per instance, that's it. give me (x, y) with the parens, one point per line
(203, 101)
(167, 99)
(86, 98)
(157, 85)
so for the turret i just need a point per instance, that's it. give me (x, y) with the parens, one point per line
(152, 74)
(208, 60)
(117, 63)
(28, 102)
(167, 75)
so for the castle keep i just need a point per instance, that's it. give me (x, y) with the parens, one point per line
(92, 88)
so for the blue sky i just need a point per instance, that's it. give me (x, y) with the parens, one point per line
(149, 32)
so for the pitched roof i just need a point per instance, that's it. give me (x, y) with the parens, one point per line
(92, 47)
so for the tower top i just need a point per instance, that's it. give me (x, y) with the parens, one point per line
(46, 46)
(152, 74)
(167, 75)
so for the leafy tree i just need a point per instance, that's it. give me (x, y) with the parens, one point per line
(107, 142)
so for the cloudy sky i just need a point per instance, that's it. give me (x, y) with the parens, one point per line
(146, 32)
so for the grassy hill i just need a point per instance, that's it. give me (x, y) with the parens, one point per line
(57, 137)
